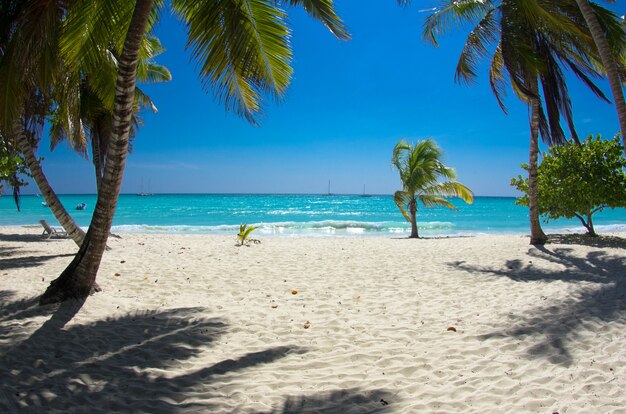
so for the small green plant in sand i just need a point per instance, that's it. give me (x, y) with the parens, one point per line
(244, 232)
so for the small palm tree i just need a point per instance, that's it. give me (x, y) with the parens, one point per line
(244, 232)
(420, 169)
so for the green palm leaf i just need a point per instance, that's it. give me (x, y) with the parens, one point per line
(434, 201)
(242, 48)
(324, 10)
(402, 199)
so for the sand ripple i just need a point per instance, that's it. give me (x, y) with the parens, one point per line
(195, 324)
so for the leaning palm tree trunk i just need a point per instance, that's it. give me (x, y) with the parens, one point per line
(537, 236)
(97, 160)
(60, 213)
(78, 279)
(413, 211)
(608, 61)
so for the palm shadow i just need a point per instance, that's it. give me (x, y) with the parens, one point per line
(20, 309)
(117, 364)
(585, 240)
(30, 261)
(6, 251)
(558, 324)
(340, 401)
(25, 238)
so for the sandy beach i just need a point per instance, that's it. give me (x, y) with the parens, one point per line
(192, 323)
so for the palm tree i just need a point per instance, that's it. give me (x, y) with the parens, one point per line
(599, 35)
(420, 169)
(530, 43)
(64, 218)
(244, 52)
(88, 120)
(28, 112)
(77, 108)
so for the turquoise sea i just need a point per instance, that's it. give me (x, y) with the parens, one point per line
(288, 215)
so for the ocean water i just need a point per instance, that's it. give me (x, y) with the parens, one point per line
(288, 215)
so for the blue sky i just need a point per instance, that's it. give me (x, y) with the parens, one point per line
(349, 103)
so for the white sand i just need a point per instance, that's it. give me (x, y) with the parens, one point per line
(188, 326)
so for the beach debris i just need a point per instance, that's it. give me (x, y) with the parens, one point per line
(123, 261)
(145, 278)
(307, 324)
(294, 292)
(118, 274)
(274, 305)
(42, 279)
(383, 402)
(356, 298)
(451, 328)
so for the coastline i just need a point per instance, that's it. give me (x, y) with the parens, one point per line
(188, 322)
(301, 215)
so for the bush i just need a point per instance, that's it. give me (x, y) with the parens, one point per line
(579, 180)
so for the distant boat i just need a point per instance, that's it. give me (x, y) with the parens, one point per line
(365, 195)
(143, 193)
(81, 206)
(329, 193)
(43, 203)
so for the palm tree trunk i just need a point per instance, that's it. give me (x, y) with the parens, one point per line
(78, 279)
(60, 213)
(537, 236)
(608, 61)
(413, 210)
(96, 154)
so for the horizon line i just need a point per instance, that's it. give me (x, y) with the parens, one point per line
(244, 193)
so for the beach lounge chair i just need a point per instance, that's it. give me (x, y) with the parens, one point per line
(52, 231)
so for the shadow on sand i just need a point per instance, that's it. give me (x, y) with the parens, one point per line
(29, 261)
(584, 240)
(30, 238)
(60, 366)
(558, 323)
(117, 364)
(340, 401)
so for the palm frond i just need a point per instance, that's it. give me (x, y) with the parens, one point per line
(475, 47)
(453, 11)
(451, 189)
(497, 77)
(147, 70)
(324, 10)
(399, 154)
(430, 201)
(402, 199)
(242, 48)
(93, 27)
(142, 100)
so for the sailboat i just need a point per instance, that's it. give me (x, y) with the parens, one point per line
(329, 193)
(142, 193)
(365, 195)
